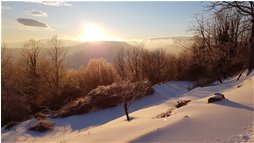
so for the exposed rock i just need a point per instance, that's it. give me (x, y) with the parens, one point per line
(181, 103)
(170, 111)
(165, 114)
(216, 97)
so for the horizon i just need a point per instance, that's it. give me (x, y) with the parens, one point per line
(96, 21)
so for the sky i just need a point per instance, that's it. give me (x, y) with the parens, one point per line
(94, 21)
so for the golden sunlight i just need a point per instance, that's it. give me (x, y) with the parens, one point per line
(92, 32)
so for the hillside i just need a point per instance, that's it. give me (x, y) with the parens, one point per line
(229, 120)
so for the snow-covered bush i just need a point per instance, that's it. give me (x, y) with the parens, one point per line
(76, 107)
(106, 96)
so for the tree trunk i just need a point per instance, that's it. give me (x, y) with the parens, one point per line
(240, 75)
(251, 62)
(219, 78)
(126, 111)
(219, 74)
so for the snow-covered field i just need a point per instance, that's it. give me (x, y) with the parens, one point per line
(229, 120)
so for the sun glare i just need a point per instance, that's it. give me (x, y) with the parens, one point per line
(92, 32)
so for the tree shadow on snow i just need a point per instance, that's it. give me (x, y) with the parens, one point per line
(38, 134)
(234, 105)
(86, 121)
(93, 119)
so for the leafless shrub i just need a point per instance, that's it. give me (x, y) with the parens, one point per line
(97, 72)
(13, 108)
(42, 126)
(141, 64)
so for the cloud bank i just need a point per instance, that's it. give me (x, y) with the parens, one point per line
(52, 3)
(4, 7)
(37, 13)
(31, 22)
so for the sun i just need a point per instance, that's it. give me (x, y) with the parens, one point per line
(92, 32)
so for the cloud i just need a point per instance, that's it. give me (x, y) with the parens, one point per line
(159, 43)
(31, 22)
(4, 7)
(53, 3)
(37, 13)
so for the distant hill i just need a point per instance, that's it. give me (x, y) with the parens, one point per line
(80, 53)
(20, 44)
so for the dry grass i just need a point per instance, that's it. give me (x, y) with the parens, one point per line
(42, 126)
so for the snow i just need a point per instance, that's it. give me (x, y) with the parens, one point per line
(229, 120)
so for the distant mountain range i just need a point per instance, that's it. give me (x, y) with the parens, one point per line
(80, 53)
(20, 44)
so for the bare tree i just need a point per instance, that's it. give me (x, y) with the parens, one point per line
(6, 67)
(132, 91)
(57, 54)
(119, 63)
(143, 64)
(228, 26)
(30, 57)
(153, 65)
(30, 61)
(246, 9)
(97, 72)
(133, 62)
(203, 29)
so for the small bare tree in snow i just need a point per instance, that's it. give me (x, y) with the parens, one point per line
(131, 91)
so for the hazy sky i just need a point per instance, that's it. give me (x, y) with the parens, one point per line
(90, 21)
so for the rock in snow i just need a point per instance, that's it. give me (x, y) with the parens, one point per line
(216, 97)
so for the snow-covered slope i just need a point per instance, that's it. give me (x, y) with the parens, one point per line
(223, 121)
